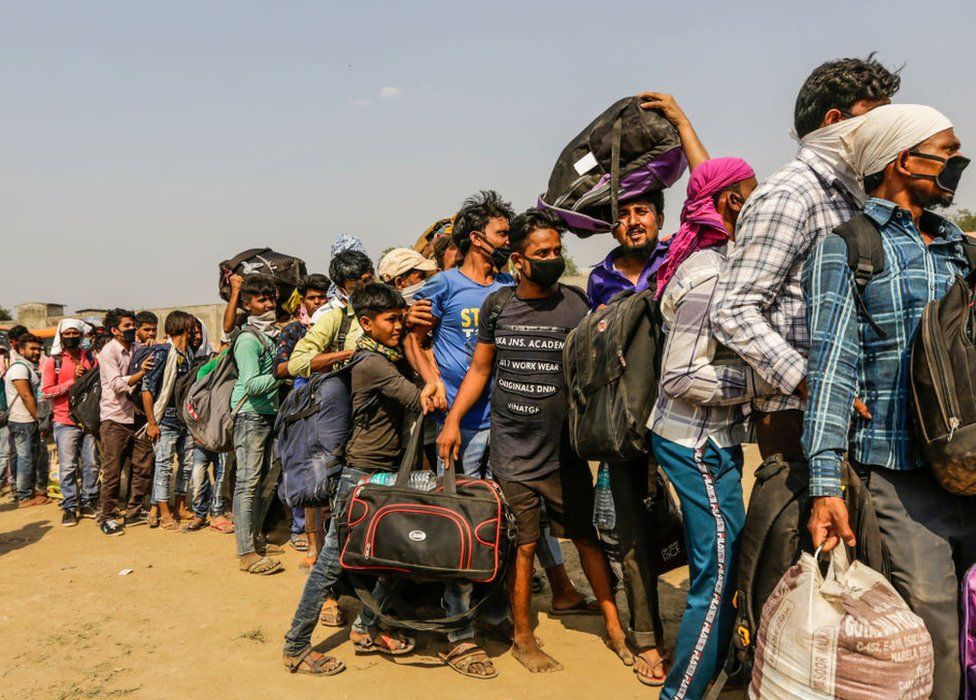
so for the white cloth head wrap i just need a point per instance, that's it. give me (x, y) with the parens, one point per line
(887, 131)
(828, 143)
(81, 326)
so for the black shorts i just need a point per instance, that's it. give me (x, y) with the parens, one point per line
(568, 495)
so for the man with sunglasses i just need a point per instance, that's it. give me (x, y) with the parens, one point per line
(861, 338)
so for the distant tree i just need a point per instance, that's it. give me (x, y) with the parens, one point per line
(5, 314)
(571, 269)
(966, 219)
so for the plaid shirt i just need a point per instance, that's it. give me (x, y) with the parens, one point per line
(703, 386)
(849, 359)
(758, 311)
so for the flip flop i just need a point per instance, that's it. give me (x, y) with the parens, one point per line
(333, 616)
(301, 664)
(262, 567)
(461, 661)
(651, 680)
(584, 607)
(225, 527)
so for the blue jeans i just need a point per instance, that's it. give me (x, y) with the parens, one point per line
(297, 521)
(474, 453)
(76, 447)
(709, 484)
(255, 481)
(32, 465)
(324, 576)
(207, 498)
(173, 442)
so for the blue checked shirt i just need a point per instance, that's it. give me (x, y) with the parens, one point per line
(758, 311)
(849, 359)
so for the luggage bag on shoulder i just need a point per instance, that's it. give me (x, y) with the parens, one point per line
(311, 430)
(625, 152)
(611, 361)
(206, 410)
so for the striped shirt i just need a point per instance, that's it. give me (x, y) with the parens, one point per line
(849, 359)
(759, 311)
(704, 387)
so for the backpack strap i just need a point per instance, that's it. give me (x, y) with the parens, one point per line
(969, 250)
(615, 137)
(344, 325)
(865, 257)
(57, 368)
(502, 297)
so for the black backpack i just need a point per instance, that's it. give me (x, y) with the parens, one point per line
(773, 537)
(624, 152)
(612, 362)
(84, 401)
(943, 387)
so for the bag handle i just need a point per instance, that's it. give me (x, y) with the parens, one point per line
(412, 454)
(618, 127)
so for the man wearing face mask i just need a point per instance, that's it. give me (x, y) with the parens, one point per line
(68, 362)
(520, 341)
(118, 429)
(759, 311)
(908, 158)
(406, 270)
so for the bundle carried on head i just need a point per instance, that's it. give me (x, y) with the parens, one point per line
(287, 271)
(624, 153)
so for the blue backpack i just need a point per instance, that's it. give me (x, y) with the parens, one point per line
(311, 430)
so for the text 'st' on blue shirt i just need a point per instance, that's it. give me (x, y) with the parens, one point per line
(456, 302)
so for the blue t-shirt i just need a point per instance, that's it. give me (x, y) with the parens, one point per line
(456, 302)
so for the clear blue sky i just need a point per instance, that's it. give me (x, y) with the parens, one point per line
(142, 142)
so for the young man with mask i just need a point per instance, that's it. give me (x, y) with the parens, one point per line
(118, 431)
(314, 291)
(255, 400)
(171, 360)
(698, 423)
(67, 364)
(333, 335)
(406, 270)
(21, 384)
(909, 159)
(758, 311)
(520, 346)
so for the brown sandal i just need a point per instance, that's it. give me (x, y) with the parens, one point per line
(332, 615)
(463, 656)
(320, 666)
(368, 645)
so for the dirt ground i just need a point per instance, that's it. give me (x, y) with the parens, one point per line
(185, 623)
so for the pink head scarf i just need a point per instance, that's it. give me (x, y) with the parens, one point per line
(702, 226)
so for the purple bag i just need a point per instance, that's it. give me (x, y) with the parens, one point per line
(624, 153)
(967, 634)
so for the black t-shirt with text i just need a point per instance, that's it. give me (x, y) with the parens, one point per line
(528, 402)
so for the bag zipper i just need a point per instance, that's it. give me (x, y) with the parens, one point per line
(459, 522)
(943, 392)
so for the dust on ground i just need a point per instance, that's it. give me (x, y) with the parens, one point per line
(186, 623)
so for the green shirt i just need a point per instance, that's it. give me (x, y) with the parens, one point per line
(255, 375)
(322, 337)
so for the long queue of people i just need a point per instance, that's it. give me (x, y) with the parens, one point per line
(761, 310)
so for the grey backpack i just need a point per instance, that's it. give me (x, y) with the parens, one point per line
(206, 410)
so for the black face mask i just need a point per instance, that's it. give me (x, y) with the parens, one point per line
(499, 254)
(948, 178)
(71, 343)
(545, 273)
(129, 336)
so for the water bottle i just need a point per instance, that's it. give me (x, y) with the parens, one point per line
(604, 513)
(423, 480)
(383, 478)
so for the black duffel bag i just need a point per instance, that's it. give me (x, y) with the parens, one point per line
(460, 531)
(287, 271)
